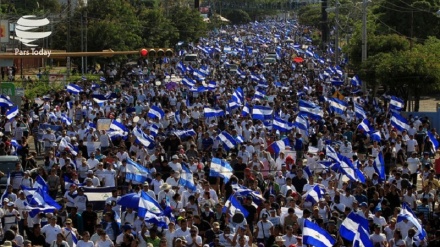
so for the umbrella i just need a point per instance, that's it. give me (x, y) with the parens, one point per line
(129, 200)
(298, 60)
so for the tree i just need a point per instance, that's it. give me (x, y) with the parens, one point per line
(157, 31)
(237, 16)
(189, 24)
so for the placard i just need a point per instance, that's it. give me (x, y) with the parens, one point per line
(103, 124)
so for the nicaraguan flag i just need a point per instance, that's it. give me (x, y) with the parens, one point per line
(316, 236)
(375, 136)
(338, 106)
(5, 101)
(84, 78)
(238, 96)
(278, 146)
(102, 78)
(65, 119)
(313, 195)
(355, 81)
(181, 67)
(246, 110)
(399, 122)
(281, 125)
(362, 238)
(262, 112)
(259, 94)
(228, 141)
(136, 172)
(351, 224)
(434, 142)
(11, 113)
(311, 110)
(187, 179)
(177, 117)
(74, 89)
(213, 112)
(396, 103)
(359, 111)
(188, 82)
(336, 81)
(407, 214)
(158, 221)
(41, 183)
(220, 168)
(66, 146)
(142, 138)
(346, 167)
(379, 166)
(365, 125)
(156, 112)
(5, 192)
(185, 133)
(117, 126)
(302, 125)
(154, 130)
(199, 75)
(241, 74)
(69, 105)
(100, 99)
(148, 204)
(234, 206)
(39, 201)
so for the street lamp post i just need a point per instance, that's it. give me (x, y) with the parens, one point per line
(364, 37)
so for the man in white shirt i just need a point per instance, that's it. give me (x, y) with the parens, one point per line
(413, 167)
(92, 162)
(378, 238)
(347, 199)
(51, 230)
(244, 154)
(174, 164)
(411, 145)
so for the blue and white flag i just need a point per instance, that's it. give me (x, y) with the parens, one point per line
(199, 75)
(365, 125)
(148, 204)
(185, 133)
(355, 81)
(281, 125)
(434, 142)
(102, 78)
(181, 67)
(337, 106)
(407, 214)
(69, 105)
(156, 112)
(187, 179)
(66, 146)
(41, 183)
(136, 172)
(246, 110)
(379, 166)
(11, 113)
(262, 112)
(188, 82)
(359, 111)
(238, 96)
(143, 138)
(396, 103)
(311, 110)
(228, 140)
(158, 221)
(302, 125)
(5, 192)
(99, 99)
(74, 89)
(375, 136)
(234, 206)
(39, 201)
(5, 101)
(399, 122)
(313, 195)
(154, 130)
(220, 168)
(177, 117)
(316, 236)
(213, 112)
(362, 238)
(117, 126)
(65, 119)
(278, 146)
(351, 224)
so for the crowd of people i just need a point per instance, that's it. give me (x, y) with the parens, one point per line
(81, 152)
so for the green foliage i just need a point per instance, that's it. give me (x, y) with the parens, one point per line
(237, 16)
(188, 23)
(40, 88)
(157, 30)
(310, 15)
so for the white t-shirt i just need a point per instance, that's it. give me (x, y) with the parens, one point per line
(264, 229)
(82, 243)
(50, 232)
(378, 238)
(181, 233)
(189, 240)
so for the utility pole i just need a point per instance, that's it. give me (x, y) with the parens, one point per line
(337, 33)
(364, 37)
(68, 63)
